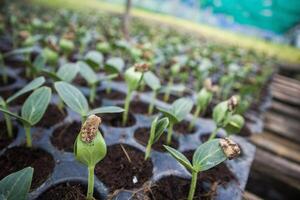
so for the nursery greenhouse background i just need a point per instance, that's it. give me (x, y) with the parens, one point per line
(149, 100)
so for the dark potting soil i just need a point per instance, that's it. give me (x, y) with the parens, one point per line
(18, 101)
(115, 120)
(117, 172)
(66, 191)
(172, 97)
(78, 80)
(97, 101)
(140, 107)
(204, 137)
(18, 158)
(172, 187)
(52, 116)
(183, 128)
(10, 81)
(142, 137)
(63, 137)
(4, 139)
(113, 95)
(245, 132)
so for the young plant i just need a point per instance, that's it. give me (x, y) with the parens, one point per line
(3, 70)
(224, 115)
(90, 148)
(94, 59)
(32, 110)
(5, 103)
(157, 128)
(133, 78)
(176, 113)
(203, 99)
(78, 103)
(66, 46)
(16, 185)
(206, 156)
(175, 68)
(153, 82)
(113, 66)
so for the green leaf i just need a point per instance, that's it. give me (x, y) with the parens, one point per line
(16, 185)
(51, 74)
(181, 108)
(87, 73)
(208, 155)
(36, 105)
(114, 65)
(90, 154)
(204, 98)
(72, 97)
(180, 158)
(220, 112)
(160, 126)
(2, 102)
(39, 62)
(106, 109)
(172, 118)
(25, 50)
(67, 72)
(25, 121)
(235, 124)
(132, 78)
(66, 45)
(94, 59)
(152, 81)
(37, 82)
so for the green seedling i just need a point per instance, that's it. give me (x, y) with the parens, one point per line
(206, 156)
(32, 110)
(94, 59)
(158, 126)
(66, 46)
(175, 68)
(203, 99)
(76, 101)
(113, 66)
(90, 148)
(50, 55)
(4, 103)
(153, 82)
(16, 185)
(224, 115)
(3, 70)
(133, 78)
(103, 47)
(176, 113)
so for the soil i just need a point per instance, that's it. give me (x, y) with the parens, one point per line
(142, 137)
(67, 191)
(115, 120)
(10, 81)
(52, 116)
(172, 97)
(116, 172)
(17, 158)
(78, 80)
(97, 102)
(63, 137)
(245, 132)
(113, 95)
(204, 137)
(183, 127)
(4, 139)
(207, 113)
(172, 187)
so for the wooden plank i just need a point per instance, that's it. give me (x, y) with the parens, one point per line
(285, 98)
(290, 90)
(277, 167)
(284, 109)
(277, 146)
(286, 81)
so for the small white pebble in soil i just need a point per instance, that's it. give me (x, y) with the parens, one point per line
(134, 180)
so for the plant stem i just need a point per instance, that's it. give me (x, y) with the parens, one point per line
(196, 114)
(60, 105)
(151, 105)
(8, 125)
(28, 136)
(214, 133)
(108, 88)
(83, 119)
(126, 107)
(3, 69)
(193, 185)
(148, 151)
(170, 131)
(167, 93)
(90, 191)
(92, 93)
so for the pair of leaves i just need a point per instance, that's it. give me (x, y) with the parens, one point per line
(67, 72)
(206, 156)
(204, 98)
(133, 78)
(152, 81)
(94, 59)
(77, 101)
(16, 185)
(34, 107)
(114, 65)
(179, 110)
(157, 128)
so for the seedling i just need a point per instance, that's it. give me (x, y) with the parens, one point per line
(32, 110)
(67, 46)
(153, 82)
(90, 148)
(203, 99)
(5, 103)
(3, 70)
(157, 128)
(16, 185)
(175, 68)
(206, 156)
(78, 103)
(224, 115)
(94, 59)
(133, 78)
(113, 66)
(176, 113)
